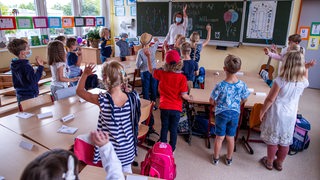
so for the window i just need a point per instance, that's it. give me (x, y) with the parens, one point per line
(22, 8)
(60, 8)
(89, 8)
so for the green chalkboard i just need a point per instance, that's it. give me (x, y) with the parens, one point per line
(257, 31)
(153, 17)
(224, 17)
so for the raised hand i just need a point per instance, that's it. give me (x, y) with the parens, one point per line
(310, 64)
(39, 60)
(208, 27)
(89, 69)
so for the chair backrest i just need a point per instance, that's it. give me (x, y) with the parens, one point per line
(131, 58)
(114, 59)
(254, 115)
(136, 75)
(65, 92)
(146, 111)
(35, 102)
(136, 48)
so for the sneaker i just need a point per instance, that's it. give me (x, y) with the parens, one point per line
(215, 161)
(228, 161)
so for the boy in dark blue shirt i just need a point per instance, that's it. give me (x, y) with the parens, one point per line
(190, 67)
(123, 46)
(74, 59)
(25, 79)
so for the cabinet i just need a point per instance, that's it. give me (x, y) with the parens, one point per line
(90, 55)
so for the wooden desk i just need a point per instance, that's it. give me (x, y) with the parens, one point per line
(85, 120)
(59, 109)
(14, 158)
(93, 172)
(202, 96)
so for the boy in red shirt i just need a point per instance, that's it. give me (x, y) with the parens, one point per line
(172, 88)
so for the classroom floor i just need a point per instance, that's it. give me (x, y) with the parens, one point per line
(193, 161)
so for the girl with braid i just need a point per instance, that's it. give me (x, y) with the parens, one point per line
(119, 111)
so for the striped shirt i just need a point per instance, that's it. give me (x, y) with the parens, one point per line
(119, 126)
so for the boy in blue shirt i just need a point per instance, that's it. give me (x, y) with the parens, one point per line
(226, 97)
(25, 79)
(74, 59)
(123, 46)
(190, 67)
(105, 49)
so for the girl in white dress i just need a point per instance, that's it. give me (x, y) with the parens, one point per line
(278, 114)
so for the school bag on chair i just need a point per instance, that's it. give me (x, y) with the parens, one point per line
(200, 79)
(301, 139)
(159, 162)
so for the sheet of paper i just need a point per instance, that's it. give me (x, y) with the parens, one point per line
(44, 115)
(82, 100)
(261, 94)
(251, 90)
(67, 117)
(133, 177)
(26, 145)
(67, 130)
(24, 115)
(240, 73)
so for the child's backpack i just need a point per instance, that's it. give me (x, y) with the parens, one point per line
(159, 162)
(199, 81)
(301, 139)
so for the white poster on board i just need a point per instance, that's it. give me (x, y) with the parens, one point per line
(261, 19)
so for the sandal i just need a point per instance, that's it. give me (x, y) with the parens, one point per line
(277, 165)
(264, 161)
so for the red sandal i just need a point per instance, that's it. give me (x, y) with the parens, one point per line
(264, 161)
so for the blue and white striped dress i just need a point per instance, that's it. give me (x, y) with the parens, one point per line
(119, 126)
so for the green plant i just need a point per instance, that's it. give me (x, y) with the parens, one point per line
(93, 34)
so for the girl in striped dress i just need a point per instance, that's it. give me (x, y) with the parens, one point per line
(119, 111)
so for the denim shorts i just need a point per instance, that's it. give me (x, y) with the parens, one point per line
(226, 123)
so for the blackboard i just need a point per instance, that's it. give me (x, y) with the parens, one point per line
(225, 18)
(280, 30)
(153, 17)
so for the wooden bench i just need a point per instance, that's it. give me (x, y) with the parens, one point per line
(6, 99)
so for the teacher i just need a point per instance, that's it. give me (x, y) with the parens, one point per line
(178, 27)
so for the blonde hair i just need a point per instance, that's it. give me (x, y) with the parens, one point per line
(295, 47)
(173, 67)
(232, 63)
(56, 52)
(177, 36)
(102, 32)
(185, 48)
(293, 69)
(195, 37)
(113, 74)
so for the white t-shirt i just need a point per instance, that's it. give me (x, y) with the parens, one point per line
(54, 71)
(175, 29)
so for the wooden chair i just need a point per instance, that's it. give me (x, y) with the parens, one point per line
(131, 58)
(114, 59)
(136, 49)
(35, 102)
(146, 113)
(254, 124)
(212, 122)
(136, 82)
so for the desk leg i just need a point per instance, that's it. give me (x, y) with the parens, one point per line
(190, 115)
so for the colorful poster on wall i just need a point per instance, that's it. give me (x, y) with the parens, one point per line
(315, 29)
(90, 21)
(35, 41)
(7, 23)
(133, 11)
(24, 22)
(118, 2)
(120, 11)
(55, 22)
(67, 22)
(131, 2)
(79, 21)
(40, 22)
(99, 21)
(313, 43)
(304, 32)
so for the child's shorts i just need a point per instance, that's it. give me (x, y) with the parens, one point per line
(226, 123)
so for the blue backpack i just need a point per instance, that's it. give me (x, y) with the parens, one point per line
(301, 140)
(199, 81)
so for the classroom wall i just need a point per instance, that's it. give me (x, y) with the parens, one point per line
(252, 57)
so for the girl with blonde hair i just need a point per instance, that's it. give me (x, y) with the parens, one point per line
(106, 50)
(278, 114)
(119, 111)
(196, 47)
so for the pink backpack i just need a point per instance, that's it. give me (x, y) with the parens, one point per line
(159, 162)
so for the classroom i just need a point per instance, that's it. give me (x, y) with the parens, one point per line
(70, 106)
